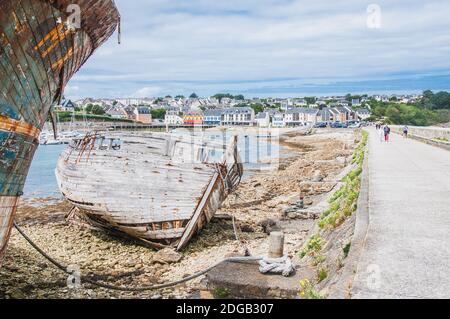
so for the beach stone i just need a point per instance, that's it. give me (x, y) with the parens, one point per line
(269, 225)
(247, 229)
(167, 256)
(317, 178)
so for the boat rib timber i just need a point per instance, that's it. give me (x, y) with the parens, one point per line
(156, 187)
(40, 50)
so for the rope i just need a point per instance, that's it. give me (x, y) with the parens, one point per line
(119, 30)
(282, 266)
(63, 268)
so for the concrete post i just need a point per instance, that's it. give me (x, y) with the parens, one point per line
(276, 245)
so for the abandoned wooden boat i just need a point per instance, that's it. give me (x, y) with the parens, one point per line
(159, 188)
(42, 45)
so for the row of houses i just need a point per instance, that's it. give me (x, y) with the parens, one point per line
(236, 116)
(141, 114)
(245, 116)
(308, 116)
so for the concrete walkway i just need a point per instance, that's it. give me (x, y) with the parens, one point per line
(407, 248)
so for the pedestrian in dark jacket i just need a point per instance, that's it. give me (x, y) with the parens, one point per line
(387, 132)
(405, 131)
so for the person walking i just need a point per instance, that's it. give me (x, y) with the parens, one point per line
(405, 131)
(387, 132)
(381, 133)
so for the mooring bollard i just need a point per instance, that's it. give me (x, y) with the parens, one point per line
(276, 245)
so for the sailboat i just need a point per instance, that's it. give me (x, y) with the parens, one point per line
(43, 43)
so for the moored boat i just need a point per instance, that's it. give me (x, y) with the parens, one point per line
(157, 187)
(42, 46)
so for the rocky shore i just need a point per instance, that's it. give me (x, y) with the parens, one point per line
(263, 202)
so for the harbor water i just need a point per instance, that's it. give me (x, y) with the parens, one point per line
(258, 151)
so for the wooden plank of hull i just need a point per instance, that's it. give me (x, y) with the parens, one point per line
(158, 194)
(215, 194)
(8, 206)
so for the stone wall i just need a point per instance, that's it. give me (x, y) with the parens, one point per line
(431, 135)
(425, 132)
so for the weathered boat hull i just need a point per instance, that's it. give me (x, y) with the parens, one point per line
(154, 187)
(40, 50)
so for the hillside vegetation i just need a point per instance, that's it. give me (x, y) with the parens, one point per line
(432, 109)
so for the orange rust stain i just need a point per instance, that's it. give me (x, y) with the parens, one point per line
(19, 26)
(61, 61)
(10, 125)
(55, 36)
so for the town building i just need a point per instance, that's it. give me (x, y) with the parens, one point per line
(278, 120)
(325, 115)
(67, 106)
(356, 102)
(117, 113)
(143, 115)
(89, 101)
(193, 118)
(344, 114)
(129, 111)
(238, 116)
(301, 116)
(213, 117)
(363, 114)
(173, 118)
(263, 119)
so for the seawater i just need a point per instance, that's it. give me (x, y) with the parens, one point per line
(255, 153)
(41, 181)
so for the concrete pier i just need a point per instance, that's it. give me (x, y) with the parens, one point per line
(406, 253)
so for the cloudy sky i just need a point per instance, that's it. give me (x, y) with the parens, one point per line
(271, 48)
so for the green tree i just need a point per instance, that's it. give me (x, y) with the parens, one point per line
(98, 110)
(258, 108)
(158, 114)
(88, 108)
(310, 100)
(221, 96)
(193, 96)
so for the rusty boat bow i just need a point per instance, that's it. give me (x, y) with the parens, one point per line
(43, 43)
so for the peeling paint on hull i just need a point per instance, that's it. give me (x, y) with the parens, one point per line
(39, 53)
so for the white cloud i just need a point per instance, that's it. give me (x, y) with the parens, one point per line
(207, 45)
(147, 92)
